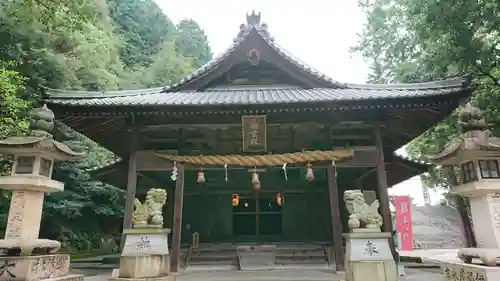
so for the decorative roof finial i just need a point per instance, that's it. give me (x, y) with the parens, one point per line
(253, 19)
(42, 122)
(471, 119)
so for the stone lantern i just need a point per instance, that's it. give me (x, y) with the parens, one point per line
(29, 257)
(477, 153)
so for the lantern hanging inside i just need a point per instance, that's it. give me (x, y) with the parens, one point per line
(236, 200)
(255, 181)
(201, 176)
(309, 173)
(280, 198)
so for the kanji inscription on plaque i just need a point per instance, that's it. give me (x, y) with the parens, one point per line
(254, 129)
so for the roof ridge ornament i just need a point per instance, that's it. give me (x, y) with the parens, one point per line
(253, 21)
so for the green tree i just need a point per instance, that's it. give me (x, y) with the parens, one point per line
(191, 42)
(83, 199)
(51, 14)
(168, 67)
(86, 45)
(415, 41)
(142, 25)
(12, 121)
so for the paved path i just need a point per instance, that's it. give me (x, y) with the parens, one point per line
(278, 275)
(434, 255)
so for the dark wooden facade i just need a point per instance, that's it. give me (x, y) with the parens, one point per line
(305, 110)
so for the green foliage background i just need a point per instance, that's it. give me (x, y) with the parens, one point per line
(417, 40)
(86, 45)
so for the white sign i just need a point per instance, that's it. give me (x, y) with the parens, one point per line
(145, 244)
(376, 249)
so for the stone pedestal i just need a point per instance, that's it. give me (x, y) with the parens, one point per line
(484, 198)
(369, 257)
(473, 272)
(145, 255)
(34, 268)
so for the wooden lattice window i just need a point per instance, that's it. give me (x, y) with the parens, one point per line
(468, 172)
(489, 169)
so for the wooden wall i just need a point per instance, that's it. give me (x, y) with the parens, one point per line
(208, 209)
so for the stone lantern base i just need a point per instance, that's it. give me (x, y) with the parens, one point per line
(37, 268)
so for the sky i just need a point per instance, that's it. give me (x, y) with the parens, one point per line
(319, 32)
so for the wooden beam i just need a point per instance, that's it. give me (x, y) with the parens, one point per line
(177, 224)
(383, 193)
(131, 188)
(148, 161)
(226, 126)
(338, 248)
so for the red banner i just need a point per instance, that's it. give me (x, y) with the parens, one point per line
(402, 205)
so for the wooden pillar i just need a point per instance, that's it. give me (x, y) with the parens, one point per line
(177, 223)
(337, 246)
(131, 187)
(382, 188)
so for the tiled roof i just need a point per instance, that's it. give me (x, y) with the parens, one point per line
(173, 95)
(246, 96)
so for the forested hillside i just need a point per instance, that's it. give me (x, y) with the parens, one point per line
(86, 45)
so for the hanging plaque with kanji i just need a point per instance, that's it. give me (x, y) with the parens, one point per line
(254, 133)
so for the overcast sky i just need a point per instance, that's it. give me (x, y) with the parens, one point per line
(319, 32)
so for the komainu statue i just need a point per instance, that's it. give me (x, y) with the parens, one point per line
(361, 215)
(149, 213)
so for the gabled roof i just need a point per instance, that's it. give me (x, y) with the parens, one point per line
(321, 89)
(255, 27)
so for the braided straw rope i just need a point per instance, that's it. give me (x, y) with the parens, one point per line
(263, 160)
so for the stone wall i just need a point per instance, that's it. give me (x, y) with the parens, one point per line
(437, 227)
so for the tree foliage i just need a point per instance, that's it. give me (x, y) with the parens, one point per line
(415, 41)
(86, 45)
(142, 26)
(191, 42)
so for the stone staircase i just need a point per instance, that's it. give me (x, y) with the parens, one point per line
(213, 256)
(301, 254)
(225, 256)
(432, 223)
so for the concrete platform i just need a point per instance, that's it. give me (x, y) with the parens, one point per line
(279, 275)
(434, 256)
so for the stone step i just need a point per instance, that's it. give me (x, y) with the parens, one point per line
(301, 253)
(212, 263)
(299, 246)
(71, 277)
(213, 251)
(301, 259)
(209, 258)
